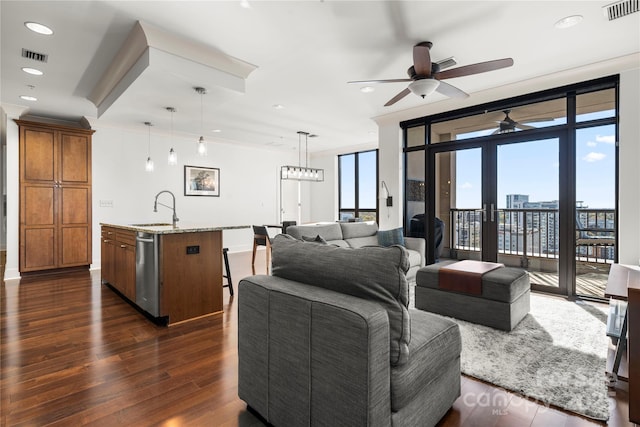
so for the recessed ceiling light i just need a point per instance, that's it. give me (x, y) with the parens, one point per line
(39, 28)
(568, 21)
(216, 130)
(33, 71)
(245, 4)
(278, 106)
(366, 89)
(28, 98)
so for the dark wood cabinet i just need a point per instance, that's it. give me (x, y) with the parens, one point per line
(125, 263)
(191, 283)
(107, 259)
(118, 260)
(55, 196)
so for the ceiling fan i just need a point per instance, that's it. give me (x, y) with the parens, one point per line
(425, 76)
(509, 125)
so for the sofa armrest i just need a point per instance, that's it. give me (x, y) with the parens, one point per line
(307, 353)
(417, 244)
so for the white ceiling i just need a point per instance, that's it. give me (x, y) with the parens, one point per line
(304, 51)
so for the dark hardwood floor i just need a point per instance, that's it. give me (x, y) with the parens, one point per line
(74, 353)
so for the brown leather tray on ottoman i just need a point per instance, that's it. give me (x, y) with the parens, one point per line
(502, 304)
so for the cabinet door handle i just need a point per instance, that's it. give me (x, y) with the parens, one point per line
(123, 246)
(106, 240)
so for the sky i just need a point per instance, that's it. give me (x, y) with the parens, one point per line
(532, 168)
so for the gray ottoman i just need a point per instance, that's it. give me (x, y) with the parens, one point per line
(504, 301)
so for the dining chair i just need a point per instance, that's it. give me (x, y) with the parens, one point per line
(227, 276)
(261, 238)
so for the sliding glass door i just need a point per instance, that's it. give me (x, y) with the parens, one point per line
(527, 214)
(530, 182)
(501, 203)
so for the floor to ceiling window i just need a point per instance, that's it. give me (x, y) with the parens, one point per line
(528, 181)
(358, 188)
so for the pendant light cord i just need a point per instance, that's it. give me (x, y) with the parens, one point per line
(149, 139)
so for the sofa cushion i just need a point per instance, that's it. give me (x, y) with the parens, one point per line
(328, 232)
(415, 259)
(391, 237)
(373, 273)
(352, 230)
(316, 239)
(435, 341)
(358, 242)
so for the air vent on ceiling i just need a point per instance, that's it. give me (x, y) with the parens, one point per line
(621, 8)
(446, 63)
(29, 54)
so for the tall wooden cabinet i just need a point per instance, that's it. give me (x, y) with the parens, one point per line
(55, 196)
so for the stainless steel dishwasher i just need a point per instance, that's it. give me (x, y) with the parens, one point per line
(147, 273)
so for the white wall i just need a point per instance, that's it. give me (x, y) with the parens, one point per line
(13, 185)
(324, 200)
(629, 151)
(249, 185)
(3, 178)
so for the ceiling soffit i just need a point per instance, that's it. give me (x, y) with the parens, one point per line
(151, 48)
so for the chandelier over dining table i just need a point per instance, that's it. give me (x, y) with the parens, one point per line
(302, 173)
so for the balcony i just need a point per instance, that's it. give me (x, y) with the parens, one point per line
(529, 238)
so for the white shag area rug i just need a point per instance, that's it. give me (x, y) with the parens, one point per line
(556, 355)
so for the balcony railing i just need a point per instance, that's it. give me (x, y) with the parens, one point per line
(533, 233)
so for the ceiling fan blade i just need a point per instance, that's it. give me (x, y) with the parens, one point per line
(480, 67)
(537, 120)
(422, 59)
(524, 127)
(398, 97)
(451, 91)
(380, 81)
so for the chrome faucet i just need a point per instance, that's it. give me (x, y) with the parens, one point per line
(156, 203)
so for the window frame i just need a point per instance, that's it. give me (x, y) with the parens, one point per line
(356, 210)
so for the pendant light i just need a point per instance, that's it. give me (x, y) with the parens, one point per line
(302, 173)
(172, 160)
(149, 165)
(202, 145)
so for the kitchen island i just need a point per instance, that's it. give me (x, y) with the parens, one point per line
(172, 274)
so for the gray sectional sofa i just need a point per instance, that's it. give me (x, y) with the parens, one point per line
(328, 340)
(359, 234)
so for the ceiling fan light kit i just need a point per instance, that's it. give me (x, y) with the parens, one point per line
(425, 77)
(424, 87)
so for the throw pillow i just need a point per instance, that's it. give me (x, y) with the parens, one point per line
(374, 273)
(391, 237)
(317, 239)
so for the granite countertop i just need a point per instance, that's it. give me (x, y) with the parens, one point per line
(165, 228)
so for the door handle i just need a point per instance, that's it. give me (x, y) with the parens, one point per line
(493, 213)
(484, 212)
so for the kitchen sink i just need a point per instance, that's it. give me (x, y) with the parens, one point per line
(155, 224)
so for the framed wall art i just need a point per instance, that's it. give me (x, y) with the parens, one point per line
(201, 181)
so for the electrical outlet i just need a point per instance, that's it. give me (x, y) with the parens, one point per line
(390, 201)
(106, 203)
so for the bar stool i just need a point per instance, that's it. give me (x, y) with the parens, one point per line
(228, 271)
(261, 238)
